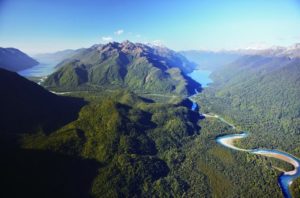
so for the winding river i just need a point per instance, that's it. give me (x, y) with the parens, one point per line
(286, 178)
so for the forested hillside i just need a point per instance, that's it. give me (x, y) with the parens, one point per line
(137, 67)
(122, 145)
(260, 94)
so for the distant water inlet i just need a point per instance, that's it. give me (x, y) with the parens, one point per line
(40, 70)
(201, 76)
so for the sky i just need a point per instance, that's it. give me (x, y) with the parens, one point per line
(39, 26)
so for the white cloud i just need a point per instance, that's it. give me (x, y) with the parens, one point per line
(107, 38)
(119, 32)
(138, 36)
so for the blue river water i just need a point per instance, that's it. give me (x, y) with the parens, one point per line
(202, 76)
(286, 178)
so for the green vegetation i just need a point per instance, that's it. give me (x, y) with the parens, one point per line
(296, 188)
(126, 140)
(259, 95)
(125, 65)
(115, 143)
(124, 145)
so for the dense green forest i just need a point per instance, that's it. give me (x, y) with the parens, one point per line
(116, 143)
(133, 66)
(124, 145)
(296, 188)
(260, 95)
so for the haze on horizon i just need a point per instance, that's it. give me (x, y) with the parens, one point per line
(45, 26)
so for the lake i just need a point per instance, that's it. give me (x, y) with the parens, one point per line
(201, 76)
(40, 70)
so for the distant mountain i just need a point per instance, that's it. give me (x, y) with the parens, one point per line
(14, 60)
(28, 107)
(275, 51)
(58, 56)
(211, 60)
(136, 66)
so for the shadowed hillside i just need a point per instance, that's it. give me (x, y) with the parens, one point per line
(14, 60)
(27, 107)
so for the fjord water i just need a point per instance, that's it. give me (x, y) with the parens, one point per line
(40, 70)
(201, 76)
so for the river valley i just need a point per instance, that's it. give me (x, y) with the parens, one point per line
(286, 178)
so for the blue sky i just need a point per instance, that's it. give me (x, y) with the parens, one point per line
(49, 25)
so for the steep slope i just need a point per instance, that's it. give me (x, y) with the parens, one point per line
(28, 107)
(261, 94)
(121, 145)
(110, 150)
(145, 149)
(14, 60)
(127, 65)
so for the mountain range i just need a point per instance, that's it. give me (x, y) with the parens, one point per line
(107, 138)
(213, 60)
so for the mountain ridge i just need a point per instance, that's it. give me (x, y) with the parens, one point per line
(15, 60)
(133, 65)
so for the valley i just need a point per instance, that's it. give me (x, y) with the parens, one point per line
(149, 138)
(164, 99)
